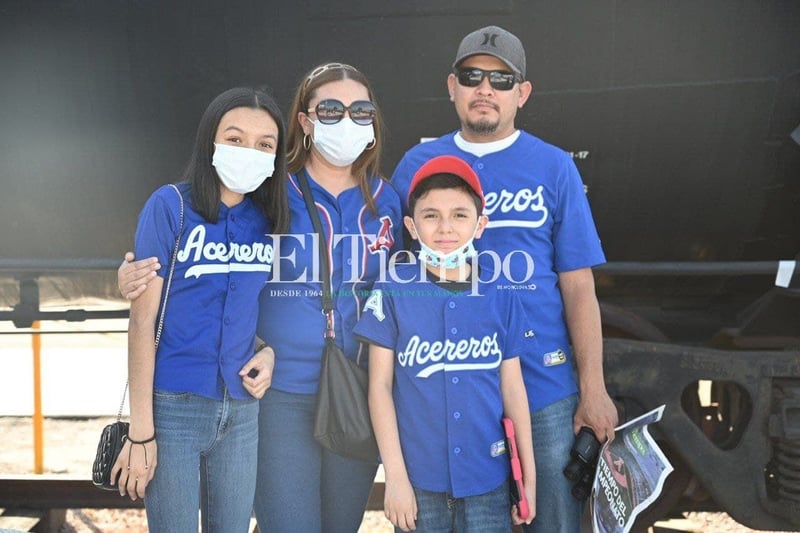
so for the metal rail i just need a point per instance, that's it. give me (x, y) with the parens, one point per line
(618, 268)
(63, 491)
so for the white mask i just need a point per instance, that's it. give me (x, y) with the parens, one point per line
(242, 170)
(454, 259)
(341, 143)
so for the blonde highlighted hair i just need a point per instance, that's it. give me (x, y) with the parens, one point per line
(368, 163)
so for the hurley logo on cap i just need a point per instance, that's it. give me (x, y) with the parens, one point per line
(488, 38)
(493, 41)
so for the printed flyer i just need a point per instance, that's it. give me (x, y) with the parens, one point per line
(631, 471)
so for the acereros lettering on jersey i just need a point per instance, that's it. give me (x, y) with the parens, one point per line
(522, 201)
(465, 354)
(238, 257)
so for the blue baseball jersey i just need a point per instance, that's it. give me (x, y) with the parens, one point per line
(537, 208)
(448, 348)
(210, 319)
(359, 244)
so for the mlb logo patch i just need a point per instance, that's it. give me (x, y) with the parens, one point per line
(557, 357)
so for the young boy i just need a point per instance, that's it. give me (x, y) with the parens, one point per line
(444, 369)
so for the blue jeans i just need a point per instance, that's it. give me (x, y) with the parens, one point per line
(557, 511)
(302, 486)
(438, 512)
(206, 459)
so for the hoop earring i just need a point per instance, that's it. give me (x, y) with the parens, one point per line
(371, 145)
(307, 142)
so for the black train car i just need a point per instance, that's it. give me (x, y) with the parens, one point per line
(678, 114)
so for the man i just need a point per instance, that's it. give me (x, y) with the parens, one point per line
(536, 205)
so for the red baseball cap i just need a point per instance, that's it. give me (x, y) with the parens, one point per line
(448, 164)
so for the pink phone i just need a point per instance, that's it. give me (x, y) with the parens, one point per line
(517, 487)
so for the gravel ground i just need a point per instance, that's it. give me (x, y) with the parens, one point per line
(69, 447)
(97, 520)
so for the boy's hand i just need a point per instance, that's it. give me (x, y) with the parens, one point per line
(400, 505)
(530, 495)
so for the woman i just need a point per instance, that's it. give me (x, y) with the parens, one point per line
(335, 137)
(194, 408)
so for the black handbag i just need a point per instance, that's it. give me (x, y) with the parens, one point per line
(111, 440)
(342, 423)
(113, 435)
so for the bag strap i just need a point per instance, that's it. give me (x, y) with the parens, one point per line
(166, 293)
(171, 268)
(327, 294)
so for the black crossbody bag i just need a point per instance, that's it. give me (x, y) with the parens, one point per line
(342, 423)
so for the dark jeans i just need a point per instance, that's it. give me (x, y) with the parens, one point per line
(556, 510)
(301, 486)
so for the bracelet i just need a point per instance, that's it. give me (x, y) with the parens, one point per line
(145, 441)
(142, 442)
(261, 347)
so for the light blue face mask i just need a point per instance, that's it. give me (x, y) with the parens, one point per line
(454, 259)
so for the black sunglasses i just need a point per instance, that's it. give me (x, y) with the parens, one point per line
(499, 79)
(331, 111)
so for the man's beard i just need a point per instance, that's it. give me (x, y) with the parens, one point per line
(482, 127)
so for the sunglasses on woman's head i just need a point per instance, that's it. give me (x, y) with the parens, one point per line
(331, 111)
(500, 80)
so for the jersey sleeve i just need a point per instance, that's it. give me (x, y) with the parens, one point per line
(401, 180)
(575, 238)
(377, 324)
(157, 227)
(520, 338)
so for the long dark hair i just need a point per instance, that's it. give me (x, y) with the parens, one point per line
(270, 196)
(368, 163)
